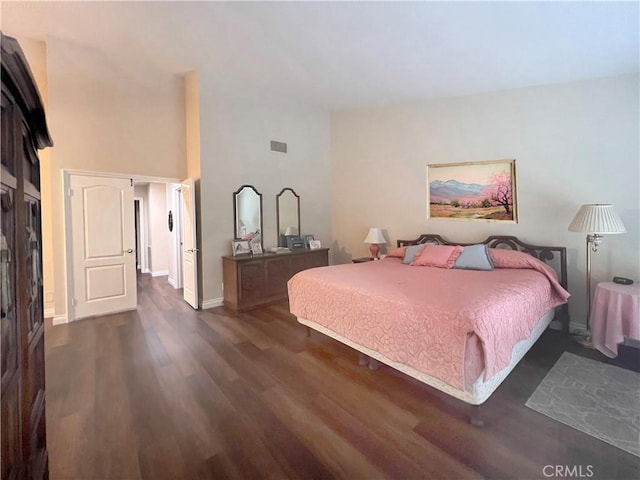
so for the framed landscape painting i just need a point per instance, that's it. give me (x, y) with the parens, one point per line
(481, 191)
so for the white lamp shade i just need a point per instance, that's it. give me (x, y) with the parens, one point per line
(597, 219)
(375, 236)
(291, 231)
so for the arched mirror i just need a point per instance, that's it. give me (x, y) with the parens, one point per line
(247, 214)
(288, 213)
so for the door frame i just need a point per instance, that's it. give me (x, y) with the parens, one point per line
(176, 203)
(68, 286)
(142, 235)
(188, 187)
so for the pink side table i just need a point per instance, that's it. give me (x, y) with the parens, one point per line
(615, 314)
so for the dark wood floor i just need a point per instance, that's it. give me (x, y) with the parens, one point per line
(166, 392)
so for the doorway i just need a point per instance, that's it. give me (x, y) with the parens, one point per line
(141, 234)
(101, 266)
(185, 248)
(158, 247)
(136, 226)
(177, 236)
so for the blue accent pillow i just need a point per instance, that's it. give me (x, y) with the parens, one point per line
(474, 257)
(411, 251)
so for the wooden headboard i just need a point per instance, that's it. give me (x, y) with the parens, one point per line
(555, 257)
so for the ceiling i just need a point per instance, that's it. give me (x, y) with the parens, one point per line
(337, 55)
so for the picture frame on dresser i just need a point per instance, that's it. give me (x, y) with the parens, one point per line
(256, 249)
(315, 244)
(240, 247)
(307, 239)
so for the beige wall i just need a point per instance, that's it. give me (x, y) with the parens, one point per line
(175, 270)
(158, 231)
(574, 143)
(108, 117)
(236, 151)
(192, 124)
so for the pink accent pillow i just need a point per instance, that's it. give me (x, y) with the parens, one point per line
(442, 256)
(396, 252)
(505, 257)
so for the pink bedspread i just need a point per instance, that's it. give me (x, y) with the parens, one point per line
(421, 316)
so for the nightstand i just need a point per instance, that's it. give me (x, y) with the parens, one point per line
(615, 314)
(362, 260)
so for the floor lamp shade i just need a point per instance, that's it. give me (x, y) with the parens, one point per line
(595, 220)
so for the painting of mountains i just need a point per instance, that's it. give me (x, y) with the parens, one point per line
(483, 191)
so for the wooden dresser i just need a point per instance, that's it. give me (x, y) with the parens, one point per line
(251, 281)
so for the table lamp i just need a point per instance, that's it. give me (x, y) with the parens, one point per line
(375, 238)
(596, 220)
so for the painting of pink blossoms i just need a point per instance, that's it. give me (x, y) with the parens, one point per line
(484, 191)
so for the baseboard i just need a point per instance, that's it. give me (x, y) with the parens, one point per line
(577, 327)
(145, 270)
(160, 273)
(49, 312)
(60, 319)
(172, 282)
(214, 302)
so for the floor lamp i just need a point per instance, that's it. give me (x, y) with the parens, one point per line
(596, 220)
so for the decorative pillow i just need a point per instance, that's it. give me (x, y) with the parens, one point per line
(410, 253)
(442, 256)
(474, 257)
(507, 258)
(396, 252)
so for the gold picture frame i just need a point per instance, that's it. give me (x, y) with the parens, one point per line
(473, 191)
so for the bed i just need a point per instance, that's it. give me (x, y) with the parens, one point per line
(459, 331)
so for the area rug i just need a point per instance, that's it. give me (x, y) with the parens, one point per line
(598, 399)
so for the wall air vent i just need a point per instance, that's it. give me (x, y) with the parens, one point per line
(278, 146)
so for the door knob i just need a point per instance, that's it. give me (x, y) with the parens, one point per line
(130, 250)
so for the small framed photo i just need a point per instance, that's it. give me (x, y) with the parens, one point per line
(307, 239)
(256, 248)
(314, 244)
(240, 247)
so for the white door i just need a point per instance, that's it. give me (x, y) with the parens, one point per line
(189, 243)
(103, 255)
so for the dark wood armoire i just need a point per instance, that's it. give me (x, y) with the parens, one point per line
(24, 132)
